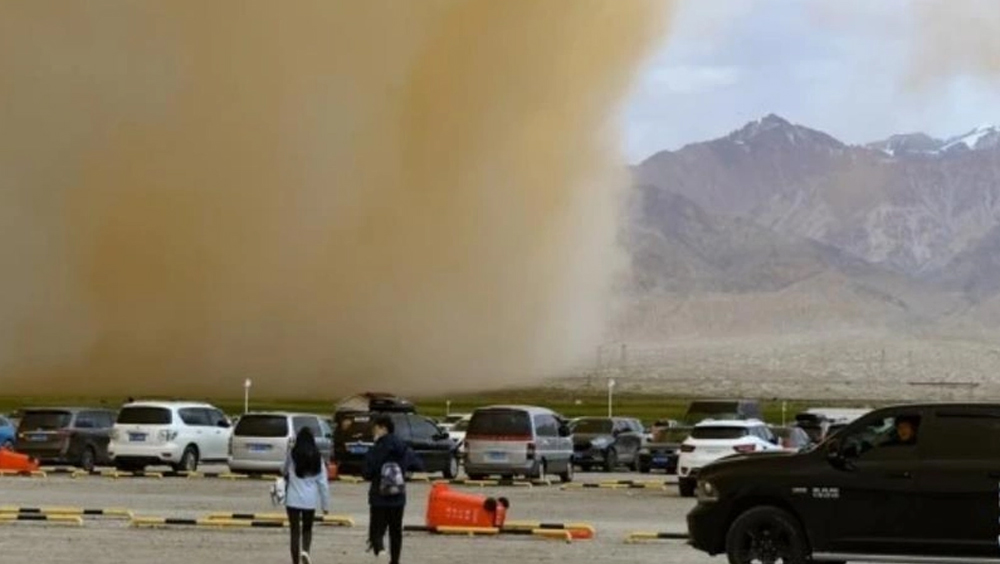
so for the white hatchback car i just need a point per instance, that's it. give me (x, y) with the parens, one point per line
(712, 440)
(175, 434)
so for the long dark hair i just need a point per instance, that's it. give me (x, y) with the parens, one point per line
(305, 455)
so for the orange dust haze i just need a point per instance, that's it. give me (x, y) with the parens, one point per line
(326, 197)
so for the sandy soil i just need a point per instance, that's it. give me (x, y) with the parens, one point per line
(615, 513)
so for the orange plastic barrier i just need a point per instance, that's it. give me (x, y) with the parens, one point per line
(12, 461)
(449, 508)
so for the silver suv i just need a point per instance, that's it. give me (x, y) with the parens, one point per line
(261, 441)
(518, 441)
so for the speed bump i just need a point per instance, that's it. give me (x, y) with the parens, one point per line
(71, 520)
(114, 513)
(648, 536)
(23, 474)
(330, 520)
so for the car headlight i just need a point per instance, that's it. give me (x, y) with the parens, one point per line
(643, 450)
(600, 443)
(707, 491)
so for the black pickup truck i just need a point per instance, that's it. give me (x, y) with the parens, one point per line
(912, 483)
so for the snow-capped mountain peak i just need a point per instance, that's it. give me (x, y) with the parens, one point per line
(985, 136)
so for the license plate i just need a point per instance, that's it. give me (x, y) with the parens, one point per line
(660, 460)
(259, 448)
(137, 437)
(496, 456)
(38, 438)
(357, 449)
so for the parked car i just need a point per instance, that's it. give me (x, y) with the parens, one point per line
(176, 434)
(713, 440)
(818, 421)
(449, 421)
(458, 430)
(8, 432)
(353, 438)
(792, 438)
(77, 436)
(738, 409)
(261, 441)
(518, 441)
(607, 442)
(663, 451)
(901, 484)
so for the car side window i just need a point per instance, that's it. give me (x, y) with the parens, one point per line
(85, 420)
(883, 438)
(403, 430)
(963, 435)
(194, 417)
(311, 423)
(546, 426)
(421, 429)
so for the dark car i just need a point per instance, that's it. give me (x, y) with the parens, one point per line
(916, 482)
(606, 442)
(722, 409)
(663, 450)
(76, 436)
(353, 438)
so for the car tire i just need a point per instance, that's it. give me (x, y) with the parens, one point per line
(687, 486)
(610, 460)
(88, 459)
(451, 471)
(766, 534)
(567, 476)
(189, 460)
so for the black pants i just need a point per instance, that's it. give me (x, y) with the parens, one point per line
(301, 523)
(383, 518)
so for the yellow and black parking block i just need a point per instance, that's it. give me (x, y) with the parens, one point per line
(650, 536)
(23, 474)
(111, 513)
(327, 520)
(72, 520)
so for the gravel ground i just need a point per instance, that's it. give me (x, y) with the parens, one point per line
(614, 513)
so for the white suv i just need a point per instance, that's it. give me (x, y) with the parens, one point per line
(178, 434)
(712, 440)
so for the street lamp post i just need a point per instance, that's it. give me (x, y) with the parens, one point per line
(611, 394)
(246, 396)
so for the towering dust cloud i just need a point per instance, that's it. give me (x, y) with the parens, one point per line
(326, 197)
(955, 38)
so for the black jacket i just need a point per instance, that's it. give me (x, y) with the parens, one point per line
(388, 449)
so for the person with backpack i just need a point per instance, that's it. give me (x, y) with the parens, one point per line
(307, 490)
(385, 466)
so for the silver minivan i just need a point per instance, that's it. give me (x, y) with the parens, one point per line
(261, 441)
(518, 441)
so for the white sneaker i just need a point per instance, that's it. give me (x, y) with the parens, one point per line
(304, 558)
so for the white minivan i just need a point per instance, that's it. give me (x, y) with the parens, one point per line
(261, 441)
(518, 441)
(175, 434)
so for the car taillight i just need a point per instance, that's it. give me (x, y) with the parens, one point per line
(687, 448)
(531, 451)
(743, 449)
(166, 435)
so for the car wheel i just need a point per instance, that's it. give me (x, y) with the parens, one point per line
(687, 487)
(610, 460)
(567, 476)
(189, 461)
(88, 459)
(766, 534)
(452, 470)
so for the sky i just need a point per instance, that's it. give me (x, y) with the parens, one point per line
(845, 67)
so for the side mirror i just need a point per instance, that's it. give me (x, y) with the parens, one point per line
(223, 424)
(565, 431)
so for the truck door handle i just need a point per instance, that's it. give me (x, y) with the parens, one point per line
(901, 475)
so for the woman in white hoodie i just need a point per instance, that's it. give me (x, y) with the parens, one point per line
(308, 491)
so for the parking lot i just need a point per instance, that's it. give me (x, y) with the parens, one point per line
(614, 514)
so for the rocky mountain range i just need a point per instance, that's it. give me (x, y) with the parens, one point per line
(894, 233)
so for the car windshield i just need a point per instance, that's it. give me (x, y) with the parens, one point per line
(702, 410)
(500, 422)
(355, 428)
(268, 426)
(46, 420)
(671, 435)
(145, 416)
(593, 426)
(462, 425)
(719, 433)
